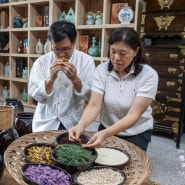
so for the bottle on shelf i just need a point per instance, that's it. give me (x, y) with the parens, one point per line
(39, 47)
(20, 47)
(5, 92)
(7, 70)
(25, 73)
(47, 46)
(24, 96)
(99, 48)
(25, 45)
(93, 50)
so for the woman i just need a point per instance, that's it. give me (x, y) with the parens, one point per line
(122, 91)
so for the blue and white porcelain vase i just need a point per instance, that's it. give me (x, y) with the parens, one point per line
(126, 15)
(98, 18)
(17, 22)
(89, 18)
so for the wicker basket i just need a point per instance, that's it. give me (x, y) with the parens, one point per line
(137, 171)
(6, 117)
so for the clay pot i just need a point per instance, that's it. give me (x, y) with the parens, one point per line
(23, 123)
(17, 104)
(1, 165)
(7, 136)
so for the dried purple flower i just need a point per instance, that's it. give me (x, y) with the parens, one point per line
(47, 175)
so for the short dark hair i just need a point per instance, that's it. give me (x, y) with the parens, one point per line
(130, 37)
(59, 30)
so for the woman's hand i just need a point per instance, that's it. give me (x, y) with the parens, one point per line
(75, 133)
(96, 140)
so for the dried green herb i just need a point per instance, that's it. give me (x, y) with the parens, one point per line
(73, 154)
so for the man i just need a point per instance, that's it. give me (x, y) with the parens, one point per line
(60, 80)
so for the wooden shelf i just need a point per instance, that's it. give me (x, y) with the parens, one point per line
(32, 8)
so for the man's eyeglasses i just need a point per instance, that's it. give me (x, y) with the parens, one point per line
(64, 50)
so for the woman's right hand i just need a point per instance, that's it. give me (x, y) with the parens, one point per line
(75, 133)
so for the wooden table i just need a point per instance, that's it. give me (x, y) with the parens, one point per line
(137, 171)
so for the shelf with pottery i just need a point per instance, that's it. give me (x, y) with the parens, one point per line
(85, 24)
(29, 13)
(18, 14)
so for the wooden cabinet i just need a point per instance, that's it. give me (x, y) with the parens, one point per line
(162, 32)
(30, 9)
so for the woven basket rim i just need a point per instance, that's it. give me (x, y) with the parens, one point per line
(5, 106)
(137, 170)
(6, 116)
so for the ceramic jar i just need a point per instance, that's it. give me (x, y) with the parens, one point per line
(89, 18)
(23, 123)
(17, 104)
(47, 46)
(39, 49)
(7, 136)
(125, 15)
(98, 18)
(5, 92)
(1, 165)
(17, 22)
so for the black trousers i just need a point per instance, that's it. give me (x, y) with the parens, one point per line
(141, 140)
(61, 127)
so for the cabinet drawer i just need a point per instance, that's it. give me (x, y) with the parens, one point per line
(172, 70)
(170, 84)
(162, 22)
(166, 109)
(172, 55)
(156, 5)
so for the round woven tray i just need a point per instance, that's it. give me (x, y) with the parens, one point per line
(137, 171)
